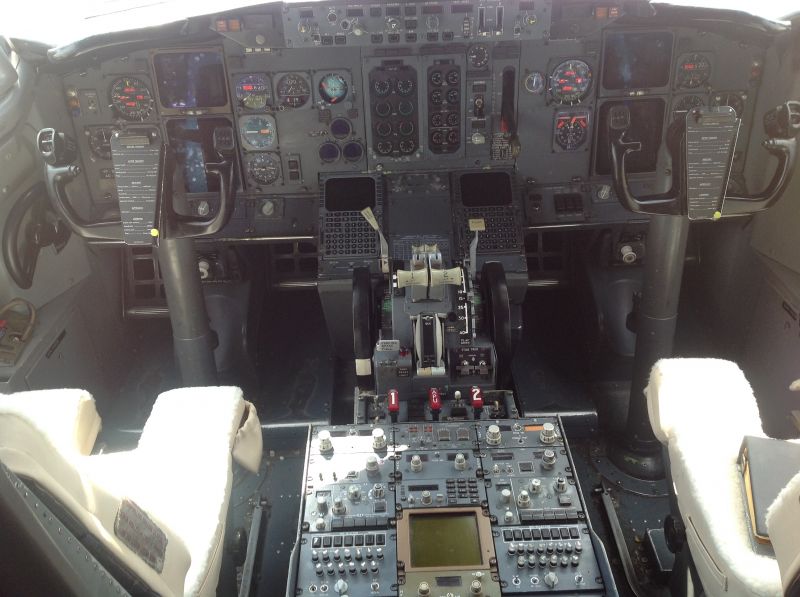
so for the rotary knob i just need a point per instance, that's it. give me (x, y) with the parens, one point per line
(548, 459)
(372, 463)
(508, 517)
(493, 435)
(354, 493)
(322, 504)
(512, 549)
(505, 496)
(524, 499)
(536, 485)
(476, 588)
(550, 579)
(378, 439)
(340, 588)
(338, 506)
(426, 497)
(522, 561)
(325, 444)
(377, 491)
(561, 485)
(319, 523)
(416, 463)
(460, 462)
(423, 589)
(548, 433)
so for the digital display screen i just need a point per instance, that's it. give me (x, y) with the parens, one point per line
(349, 194)
(647, 123)
(190, 79)
(440, 540)
(193, 142)
(637, 60)
(482, 189)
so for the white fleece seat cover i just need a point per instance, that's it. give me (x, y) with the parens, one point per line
(180, 474)
(702, 409)
(783, 524)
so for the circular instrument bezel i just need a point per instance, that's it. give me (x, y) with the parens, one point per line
(560, 76)
(324, 93)
(143, 105)
(693, 78)
(300, 97)
(242, 95)
(272, 134)
(267, 160)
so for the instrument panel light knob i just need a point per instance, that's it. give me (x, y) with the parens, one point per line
(548, 433)
(509, 517)
(322, 504)
(561, 485)
(550, 579)
(372, 463)
(378, 439)
(493, 435)
(354, 493)
(320, 524)
(524, 499)
(536, 485)
(505, 496)
(423, 589)
(416, 463)
(338, 506)
(460, 462)
(476, 588)
(325, 444)
(548, 459)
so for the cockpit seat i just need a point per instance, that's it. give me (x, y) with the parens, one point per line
(158, 512)
(783, 524)
(701, 409)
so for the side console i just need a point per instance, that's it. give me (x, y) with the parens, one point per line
(480, 508)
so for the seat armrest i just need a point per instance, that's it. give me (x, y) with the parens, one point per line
(783, 524)
(247, 446)
(68, 418)
(702, 397)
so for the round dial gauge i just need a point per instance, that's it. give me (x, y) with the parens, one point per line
(382, 87)
(571, 131)
(131, 98)
(571, 81)
(686, 103)
(694, 71)
(734, 100)
(263, 168)
(100, 142)
(257, 132)
(293, 90)
(534, 83)
(405, 87)
(252, 91)
(332, 88)
(478, 56)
